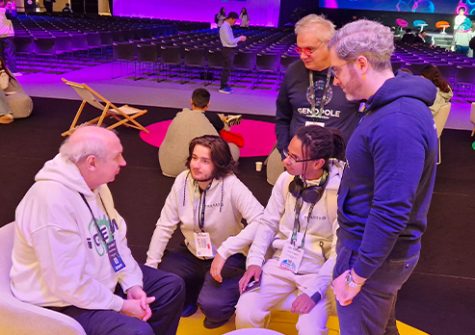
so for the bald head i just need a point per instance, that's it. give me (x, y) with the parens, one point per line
(97, 152)
(85, 141)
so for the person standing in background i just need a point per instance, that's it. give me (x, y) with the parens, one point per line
(244, 17)
(49, 5)
(7, 47)
(220, 17)
(229, 43)
(307, 94)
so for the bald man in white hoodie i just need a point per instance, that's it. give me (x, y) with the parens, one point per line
(70, 251)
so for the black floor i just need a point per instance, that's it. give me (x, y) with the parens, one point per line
(438, 298)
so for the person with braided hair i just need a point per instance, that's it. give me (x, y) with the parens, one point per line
(208, 202)
(299, 222)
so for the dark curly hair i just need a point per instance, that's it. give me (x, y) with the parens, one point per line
(321, 143)
(223, 162)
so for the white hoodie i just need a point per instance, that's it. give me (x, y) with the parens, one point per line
(59, 259)
(228, 201)
(278, 220)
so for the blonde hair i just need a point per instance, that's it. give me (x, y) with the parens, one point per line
(314, 21)
(365, 38)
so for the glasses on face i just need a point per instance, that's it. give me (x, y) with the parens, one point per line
(307, 51)
(294, 159)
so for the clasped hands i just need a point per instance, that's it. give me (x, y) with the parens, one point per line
(137, 304)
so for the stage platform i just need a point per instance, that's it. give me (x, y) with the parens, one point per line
(109, 80)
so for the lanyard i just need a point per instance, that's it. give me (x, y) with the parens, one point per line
(95, 220)
(111, 247)
(298, 208)
(202, 208)
(313, 102)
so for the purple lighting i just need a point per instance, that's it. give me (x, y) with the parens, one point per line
(261, 13)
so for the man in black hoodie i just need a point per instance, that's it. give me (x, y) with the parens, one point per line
(387, 184)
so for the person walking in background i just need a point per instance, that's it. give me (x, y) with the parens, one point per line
(244, 17)
(387, 184)
(229, 43)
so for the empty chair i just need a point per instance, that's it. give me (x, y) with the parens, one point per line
(24, 45)
(124, 115)
(465, 82)
(124, 53)
(45, 46)
(94, 41)
(195, 58)
(245, 62)
(267, 64)
(171, 58)
(17, 317)
(147, 54)
(286, 60)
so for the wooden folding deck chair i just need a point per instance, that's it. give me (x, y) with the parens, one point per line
(124, 115)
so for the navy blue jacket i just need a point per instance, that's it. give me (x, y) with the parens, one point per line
(387, 185)
(293, 110)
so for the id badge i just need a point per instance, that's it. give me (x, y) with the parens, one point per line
(114, 256)
(290, 258)
(314, 123)
(203, 245)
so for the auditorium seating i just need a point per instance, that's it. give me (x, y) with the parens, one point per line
(187, 51)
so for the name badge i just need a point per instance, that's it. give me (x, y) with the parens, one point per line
(290, 258)
(114, 257)
(313, 123)
(203, 245)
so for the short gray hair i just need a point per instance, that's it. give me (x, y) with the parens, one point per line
(314, 21)
(365, 38)
(84, 142)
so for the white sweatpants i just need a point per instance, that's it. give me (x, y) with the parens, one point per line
(253, 308)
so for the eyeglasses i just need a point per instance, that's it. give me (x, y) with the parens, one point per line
(307, 51)
(294, 159)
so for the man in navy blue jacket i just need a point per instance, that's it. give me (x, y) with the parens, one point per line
(388, 181)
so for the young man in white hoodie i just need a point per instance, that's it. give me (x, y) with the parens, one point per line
(70, 251)
(299, 222)
(208, 203)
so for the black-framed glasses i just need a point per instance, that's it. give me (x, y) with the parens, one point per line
(294, 159)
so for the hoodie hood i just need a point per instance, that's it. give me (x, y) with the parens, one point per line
(404, 85)
(65, 172)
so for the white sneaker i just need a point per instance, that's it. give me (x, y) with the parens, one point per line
(232, 120)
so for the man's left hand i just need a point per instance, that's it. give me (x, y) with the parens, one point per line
(137, 293)
(303, 304)
(344, 294)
